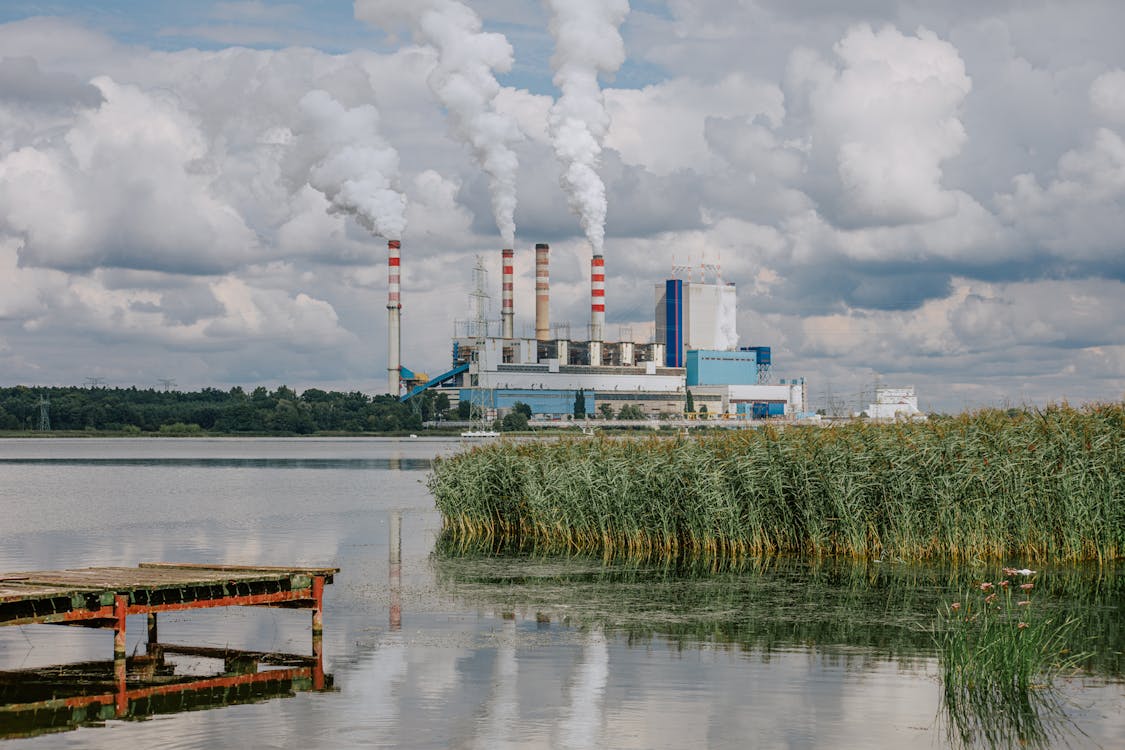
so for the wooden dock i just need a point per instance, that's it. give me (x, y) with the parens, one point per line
(104, 597)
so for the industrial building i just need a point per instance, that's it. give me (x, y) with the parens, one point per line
(895, 403)
(695, 350)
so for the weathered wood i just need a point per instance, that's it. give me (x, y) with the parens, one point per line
(84, 594)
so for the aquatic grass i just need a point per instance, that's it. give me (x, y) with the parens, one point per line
(996, 640)
(1037, 485)
(1000, 652)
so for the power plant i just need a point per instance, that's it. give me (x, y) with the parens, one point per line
(695, 363)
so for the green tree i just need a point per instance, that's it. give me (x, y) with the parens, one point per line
(464, 409)
(514, 421)
(425, 405)
(703, 411)
(631, 411)
(579, 405)
(441, 405)
(314, 396)
(689, 403)
(285, 393)
(606, 410)
(521, 408)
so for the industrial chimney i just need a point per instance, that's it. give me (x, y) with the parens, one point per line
(542, 293)
(507, 312)
(597, 298)
(394, 308)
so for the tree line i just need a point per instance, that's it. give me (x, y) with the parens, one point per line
(281, 411)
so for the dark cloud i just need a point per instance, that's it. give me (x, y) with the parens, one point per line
(23, 83)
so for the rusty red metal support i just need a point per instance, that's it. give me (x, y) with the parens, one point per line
(318, 605)
(121, 695)
(318, 665)
(105, 597)
(120, 610)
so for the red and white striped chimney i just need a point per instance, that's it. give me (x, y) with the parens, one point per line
(597, 298)
(507, 310)
(394, 308)
(542, 293)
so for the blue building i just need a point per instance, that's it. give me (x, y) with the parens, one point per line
(705, 367)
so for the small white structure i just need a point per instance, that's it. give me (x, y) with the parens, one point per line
(895, 403)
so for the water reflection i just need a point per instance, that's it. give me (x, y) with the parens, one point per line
(1033, 718)
(776, 603)
(394, 576)
(61, 698)
(582, 726)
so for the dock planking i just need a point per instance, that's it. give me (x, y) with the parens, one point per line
(104, 596)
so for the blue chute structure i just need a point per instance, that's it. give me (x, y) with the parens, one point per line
(432, 382)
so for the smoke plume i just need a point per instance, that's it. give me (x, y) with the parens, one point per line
(587, 42)
(465, 84)
(341, 154)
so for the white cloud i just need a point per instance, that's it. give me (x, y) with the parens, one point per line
(887, 115)
(1078, 215)
(1107, 96)
(662, 127)
(125, 186)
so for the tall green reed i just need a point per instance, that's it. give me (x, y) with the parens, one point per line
(1038, 485)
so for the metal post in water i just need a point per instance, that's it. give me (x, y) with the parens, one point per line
(395, 570)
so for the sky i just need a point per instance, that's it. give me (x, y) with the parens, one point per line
(908, 193)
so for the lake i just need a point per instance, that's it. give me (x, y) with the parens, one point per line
(439, 649)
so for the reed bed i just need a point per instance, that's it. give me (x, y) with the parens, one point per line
(1036, 486)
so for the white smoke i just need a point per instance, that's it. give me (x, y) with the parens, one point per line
(587, 42)
(465, 84)
(340, 153)
(726, 320)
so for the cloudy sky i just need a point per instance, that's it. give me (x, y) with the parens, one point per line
(924, 193)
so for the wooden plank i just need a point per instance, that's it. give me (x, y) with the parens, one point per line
(129, 579)
(17, 593)
(267, 568)
(154, 587)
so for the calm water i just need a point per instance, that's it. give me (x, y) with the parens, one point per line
(472, 652)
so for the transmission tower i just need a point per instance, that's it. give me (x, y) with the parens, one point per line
(480, 398)
(95, 383)
(168, 383)
(44, 414)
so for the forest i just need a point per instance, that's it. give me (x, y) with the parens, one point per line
(213, 411)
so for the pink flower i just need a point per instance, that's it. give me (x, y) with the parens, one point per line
(1027, 586)
(1021, 625)
(986, 586)
(1003, 584)
(1024, 603)
(1009, 571)
(955, 606)
(990, 599)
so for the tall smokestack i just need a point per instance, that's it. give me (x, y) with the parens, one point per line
(507, 312)
(394, 308)
(597, 298)
(542, 293)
